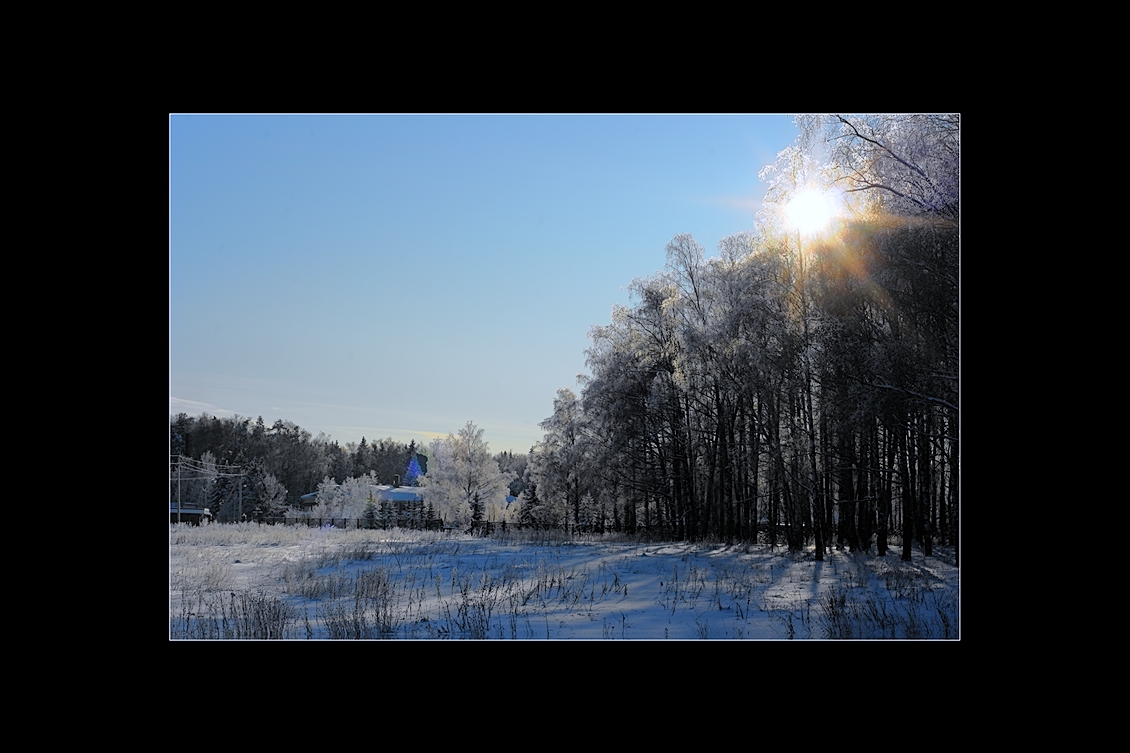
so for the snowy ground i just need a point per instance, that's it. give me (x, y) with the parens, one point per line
(247, 581)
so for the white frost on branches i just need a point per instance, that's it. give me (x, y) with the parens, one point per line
(345, 500)
(464, 482)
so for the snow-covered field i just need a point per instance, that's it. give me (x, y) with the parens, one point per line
(250, 581)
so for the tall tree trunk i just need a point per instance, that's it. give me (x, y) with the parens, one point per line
(753, 488)
(907, 497)
(943, 522)
(885, 492)
(955, 510)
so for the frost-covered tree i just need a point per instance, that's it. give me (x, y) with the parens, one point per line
(904, 164)
(562, 467)
(345, 500)
(515, 467)
(541, 505)
(271, 496)
(803, 382)
(464, 481)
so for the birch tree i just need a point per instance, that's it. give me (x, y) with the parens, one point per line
(809, 384)
(464, 481)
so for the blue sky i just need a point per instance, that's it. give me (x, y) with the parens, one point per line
(401, 275)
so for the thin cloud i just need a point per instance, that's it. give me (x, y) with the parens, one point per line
(192, 407)
(745, 203)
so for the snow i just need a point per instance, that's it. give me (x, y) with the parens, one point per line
(245, 580)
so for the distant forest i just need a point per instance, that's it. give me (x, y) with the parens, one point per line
(282, 461)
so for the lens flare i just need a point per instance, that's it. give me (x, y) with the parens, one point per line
(810, 210)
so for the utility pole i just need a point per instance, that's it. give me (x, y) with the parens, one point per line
(198, 472)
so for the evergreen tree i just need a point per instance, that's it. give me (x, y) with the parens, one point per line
(412, 472)
(387, 514)
(370, 516)
(528, 513)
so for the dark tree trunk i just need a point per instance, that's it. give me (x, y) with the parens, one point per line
(885, 494)
(907, 499)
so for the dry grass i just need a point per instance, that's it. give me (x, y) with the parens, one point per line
(246, 581)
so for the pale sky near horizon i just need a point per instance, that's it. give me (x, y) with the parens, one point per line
(400, 275)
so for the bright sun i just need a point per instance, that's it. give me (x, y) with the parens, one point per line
(810, 210)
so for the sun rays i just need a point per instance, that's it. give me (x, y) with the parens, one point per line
(810, 210)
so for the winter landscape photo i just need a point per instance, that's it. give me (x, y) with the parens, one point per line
(564, 377)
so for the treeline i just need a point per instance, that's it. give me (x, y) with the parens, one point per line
(798, 386)
(281, 462)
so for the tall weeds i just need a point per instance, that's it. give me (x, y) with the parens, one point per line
(243, 615)
(368, 614)
(252, 582)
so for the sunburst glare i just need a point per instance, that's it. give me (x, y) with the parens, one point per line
(810, 210)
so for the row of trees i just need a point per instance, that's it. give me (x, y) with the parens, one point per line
(801, 385)
(356, 498)
(465, 483)
(281, 462)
